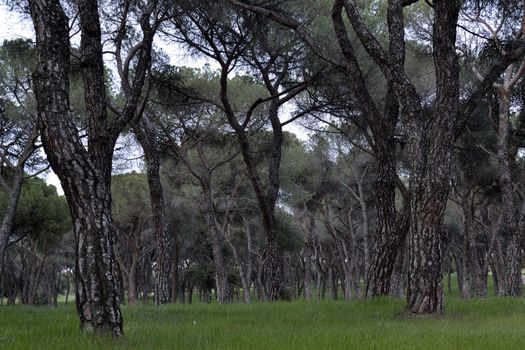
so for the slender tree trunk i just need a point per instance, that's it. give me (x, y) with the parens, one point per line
(466, 266)
(9, 220)
(217, 243)
(132, 280)
(177, 284)
(147, 136)
(318, 285)
(266, 200)
(498, 266)
(513, 251)
(308, 225)
(249, 264)
(243, 275)
(68, 288)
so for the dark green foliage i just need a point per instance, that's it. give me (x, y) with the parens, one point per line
(42, 214)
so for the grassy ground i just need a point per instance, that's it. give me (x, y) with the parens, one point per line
(379, 324)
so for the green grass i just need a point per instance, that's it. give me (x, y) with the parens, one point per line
(380, 324)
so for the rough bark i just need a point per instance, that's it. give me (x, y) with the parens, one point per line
(85, 186)
(430, 168)
(513, 251)
(390, 63)
(382, 126)
(147, 137)
(85, 174)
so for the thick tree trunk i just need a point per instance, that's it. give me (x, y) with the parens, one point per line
(86, 187)
(431, 152)
(388, 238)
(96, 288)
(398, 280)
(85, 175)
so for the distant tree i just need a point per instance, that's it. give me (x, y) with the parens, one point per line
(37, 247)
(18, 131)
(133, 225)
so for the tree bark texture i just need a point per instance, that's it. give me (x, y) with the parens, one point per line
(85, 186)
(431, 151)
(387, 239)
(514, 238)
(147, 137)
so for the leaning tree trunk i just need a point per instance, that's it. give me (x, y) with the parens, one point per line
(274, 265)
(383, 128)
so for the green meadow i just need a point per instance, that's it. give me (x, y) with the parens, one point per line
(492, 323)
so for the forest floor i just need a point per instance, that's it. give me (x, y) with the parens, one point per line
(492, 323)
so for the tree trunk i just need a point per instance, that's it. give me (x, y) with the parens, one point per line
(86, 187)
(431, 152)
(249, 264)
(398, 279)
(147, 136)
(9, 220)
(308, 225)
(217, 243)
(513, 251)
(387, 237)
(498, 265)
(266, 200)
(261, 293)
(243, 275)
(85, 174)
(68, 289)
(132, 279)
